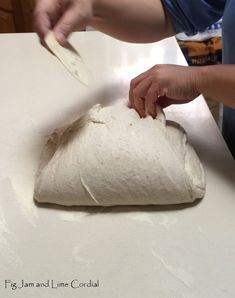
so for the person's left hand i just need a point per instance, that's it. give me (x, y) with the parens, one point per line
(163, 84)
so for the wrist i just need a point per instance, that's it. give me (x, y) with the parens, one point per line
(201, 79)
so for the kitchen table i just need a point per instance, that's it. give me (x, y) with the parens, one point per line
(133, 252)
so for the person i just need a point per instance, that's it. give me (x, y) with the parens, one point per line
(146, 21)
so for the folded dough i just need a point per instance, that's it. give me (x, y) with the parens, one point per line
(112, 157)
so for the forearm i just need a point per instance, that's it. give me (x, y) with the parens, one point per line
(139, 21)
(218, 82)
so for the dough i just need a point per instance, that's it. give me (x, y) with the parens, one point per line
(112, 157)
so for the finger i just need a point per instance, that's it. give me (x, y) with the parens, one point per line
(42, 38)
(139, 93)
(67, 24)
(140, 107)
(139, 78)
(150, 100)
(164, 101)
(42, 24)
(131, 98)
(133, 85)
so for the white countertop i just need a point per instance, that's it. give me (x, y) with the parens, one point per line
(135, 252)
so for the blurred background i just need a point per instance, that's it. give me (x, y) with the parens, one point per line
(16, 16)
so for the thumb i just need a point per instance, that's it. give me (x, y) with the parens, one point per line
(66, 25)
(164, 101)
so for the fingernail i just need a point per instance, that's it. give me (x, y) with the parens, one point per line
(60, 37)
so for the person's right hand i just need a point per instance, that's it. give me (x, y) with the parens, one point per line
(61, 16)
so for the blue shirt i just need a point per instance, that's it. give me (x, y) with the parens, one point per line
(192, 16)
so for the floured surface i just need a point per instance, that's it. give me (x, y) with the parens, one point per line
(112, 157)
(135, 251)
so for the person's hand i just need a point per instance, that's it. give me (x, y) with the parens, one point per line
(61, 16)
(163, 84)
